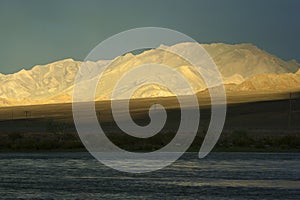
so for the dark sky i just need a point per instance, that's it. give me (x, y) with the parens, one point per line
(41, 31)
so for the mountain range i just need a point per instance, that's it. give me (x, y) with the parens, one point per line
(244, 67)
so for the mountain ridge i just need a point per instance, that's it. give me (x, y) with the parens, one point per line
(241, 65)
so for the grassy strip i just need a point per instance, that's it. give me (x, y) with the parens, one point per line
(61, 141)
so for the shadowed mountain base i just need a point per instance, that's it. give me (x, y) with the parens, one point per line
(266, 123)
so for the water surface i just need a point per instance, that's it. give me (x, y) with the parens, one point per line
(218, 176)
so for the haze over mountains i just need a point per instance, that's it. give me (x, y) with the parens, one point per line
(244, 67)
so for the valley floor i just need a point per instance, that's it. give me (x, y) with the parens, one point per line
(268, 123)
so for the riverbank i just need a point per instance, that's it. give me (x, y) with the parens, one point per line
(235, 141)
